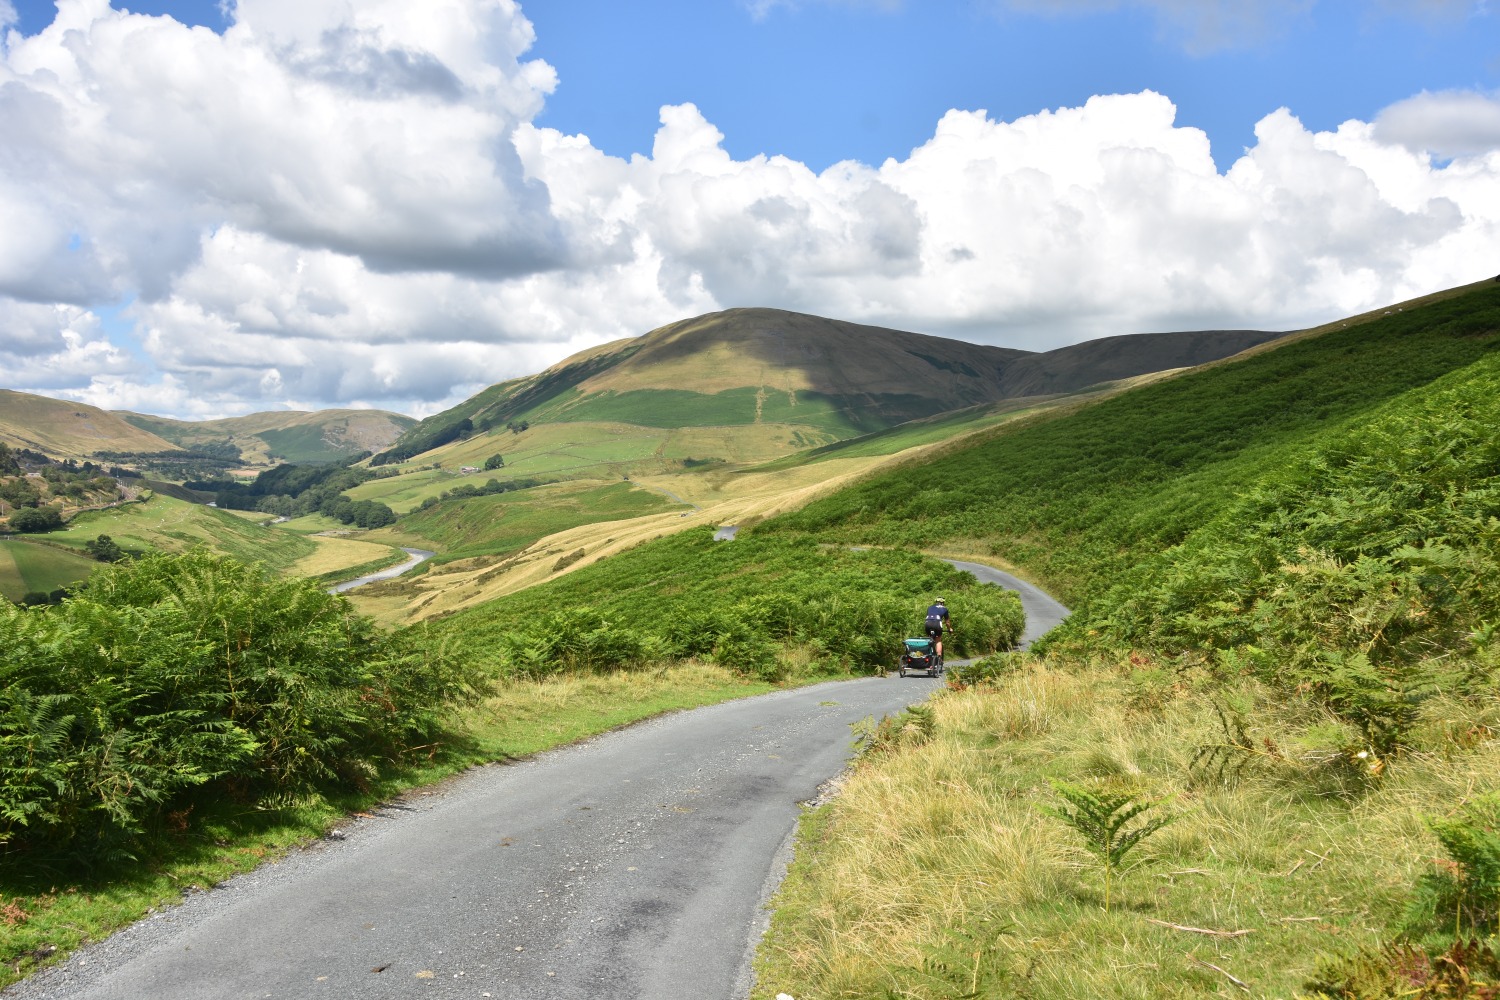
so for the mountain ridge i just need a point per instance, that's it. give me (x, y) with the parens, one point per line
(64, 429)
(746, 365)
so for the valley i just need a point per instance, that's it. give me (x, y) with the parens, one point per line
(1281, 562)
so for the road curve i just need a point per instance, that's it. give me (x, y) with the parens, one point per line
(1043, 612)
(633, 865)
(415, 558)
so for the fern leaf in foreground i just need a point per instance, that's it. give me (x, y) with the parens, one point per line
(1102, 821)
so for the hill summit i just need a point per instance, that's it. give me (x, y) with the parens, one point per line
(838, 379)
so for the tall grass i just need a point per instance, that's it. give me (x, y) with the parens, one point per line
(935, 873)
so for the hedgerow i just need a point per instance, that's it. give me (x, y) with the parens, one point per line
(172, 678)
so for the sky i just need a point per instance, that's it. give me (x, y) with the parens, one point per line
(210, 209)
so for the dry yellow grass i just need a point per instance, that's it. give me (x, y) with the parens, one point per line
(335, 553)
(65, 429)
(724, 499)
(935, 873)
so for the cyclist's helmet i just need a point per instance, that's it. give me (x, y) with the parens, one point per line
(939, 601)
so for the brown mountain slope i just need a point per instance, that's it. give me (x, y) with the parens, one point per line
(795, 351)
(749, 366)
(1111, 358)
(62, 429)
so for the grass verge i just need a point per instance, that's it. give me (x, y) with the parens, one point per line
(936, 873)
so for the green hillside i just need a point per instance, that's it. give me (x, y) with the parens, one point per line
(293, 436)
(765, 606)
(166, 524)
(1287, 577)
(1082, 498)
(505, 522)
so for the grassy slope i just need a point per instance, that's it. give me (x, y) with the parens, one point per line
(945, 427)
(505, 522)
(821, 378)
(1079, 499)
(293, 436)
(169, 525)
(939, 874)
(63, 429)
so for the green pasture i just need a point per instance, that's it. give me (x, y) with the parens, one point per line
(549, 451)
(681, 408)
(311, 524)
(29, 566)
(164, 524)
(506, 522)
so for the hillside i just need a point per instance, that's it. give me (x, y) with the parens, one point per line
(62, 429)
(1111, 359)
(1080, 499)
(825, 379)
(296, 436)
(1288, 581)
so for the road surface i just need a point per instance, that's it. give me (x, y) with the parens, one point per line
(415, 558)
(633, 865)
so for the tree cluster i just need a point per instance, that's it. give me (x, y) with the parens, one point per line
(199, 461)
(34, 520)
(465, 490)
(298, 490)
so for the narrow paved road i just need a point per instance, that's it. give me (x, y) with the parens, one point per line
(634, 865)
(1043, 612)
(415, 558)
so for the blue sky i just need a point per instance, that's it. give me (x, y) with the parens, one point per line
(827, 82)
(168, 250)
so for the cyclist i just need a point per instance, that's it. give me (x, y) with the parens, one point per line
(938, 622)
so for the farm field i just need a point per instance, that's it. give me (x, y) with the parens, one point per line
(28, 566)
(585, 450)
(505, 522)
(164, 524)
(344, 557)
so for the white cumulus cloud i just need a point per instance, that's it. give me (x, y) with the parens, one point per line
(349, 203)
(1447, 124)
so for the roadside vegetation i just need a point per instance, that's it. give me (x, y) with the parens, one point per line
(182, 718)
(1286, 578)
(758, 605)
